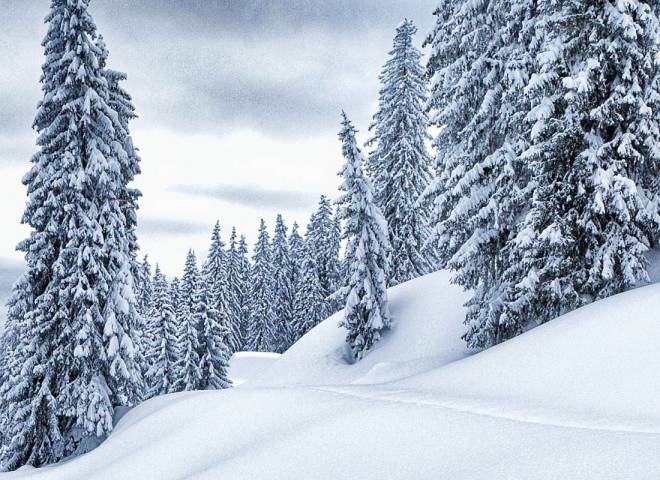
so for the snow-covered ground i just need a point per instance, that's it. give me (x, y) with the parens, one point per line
(574, 399)
(248, 365)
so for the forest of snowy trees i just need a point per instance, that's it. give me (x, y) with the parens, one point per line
(539, 191)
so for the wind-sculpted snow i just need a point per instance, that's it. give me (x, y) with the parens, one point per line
(574, 399)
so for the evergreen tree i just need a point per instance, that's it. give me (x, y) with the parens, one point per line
(237, 288)
(244, 299)
(483, 56)
(366, 313)
(594, 157)
(297, 255)
(187, 373)
(399, 165)
(144, 288)
(323, 240)
(160, 339)
(215, 265)
(310, 307)
(76, 359)
(262, 328)
(220, 294)
(143, 300)
(282, 286)
(214, 356)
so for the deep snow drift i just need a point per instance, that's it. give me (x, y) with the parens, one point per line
(575, 399)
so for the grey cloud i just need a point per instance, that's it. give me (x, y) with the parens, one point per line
(202, 65)
(253, 196)
(150, 226)
(265, 17)
(205, 65)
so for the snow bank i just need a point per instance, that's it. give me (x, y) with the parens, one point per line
(245, 366)
(599, 364)
(428, 313)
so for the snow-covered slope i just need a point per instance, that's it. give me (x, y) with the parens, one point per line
(428, 314)
(596, 366)
(575, 399)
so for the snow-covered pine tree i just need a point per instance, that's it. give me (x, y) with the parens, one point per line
(214, 353)
(28, 411)
(244, 273)
(310, 306)
(186, 369)
(122, 103)
(594, 149)
(215, 274)
(79, 360)
(237, 288)
(366, 313)
(324, 243)
(282, 286)
(161, 353)
(481, 60)
(144, 287)
(297, 255)
(262, 328)
(143, 299)
(216, 260)
(189, 282)
(400, 165)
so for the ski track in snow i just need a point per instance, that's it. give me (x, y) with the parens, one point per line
(485, 408)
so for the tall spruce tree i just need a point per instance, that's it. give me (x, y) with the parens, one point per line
(78, 360)
(297, 254)
(218, 293)
(215, 265)
(144, 287)
(282, 286)
(213, 351)
(161, 353)
(187, 373)
(594, 157)
(400, 165)
(366, 313)
(244, 299)
(309, 307)
(323, 241)
(262, 328)
(236, 283)
(483, 55)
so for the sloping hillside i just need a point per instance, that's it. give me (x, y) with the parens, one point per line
(575, 399)
(428, 315)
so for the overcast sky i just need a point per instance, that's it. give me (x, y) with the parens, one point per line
(238, 101)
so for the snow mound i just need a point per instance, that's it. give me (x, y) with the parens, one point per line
(428, 317)
(245, 366)
(599, 363)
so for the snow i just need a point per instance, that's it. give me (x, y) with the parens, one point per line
(428, 314)
(245, 366)
(575, 398)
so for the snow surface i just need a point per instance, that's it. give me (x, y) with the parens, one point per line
(245, 366)
(574, 399)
